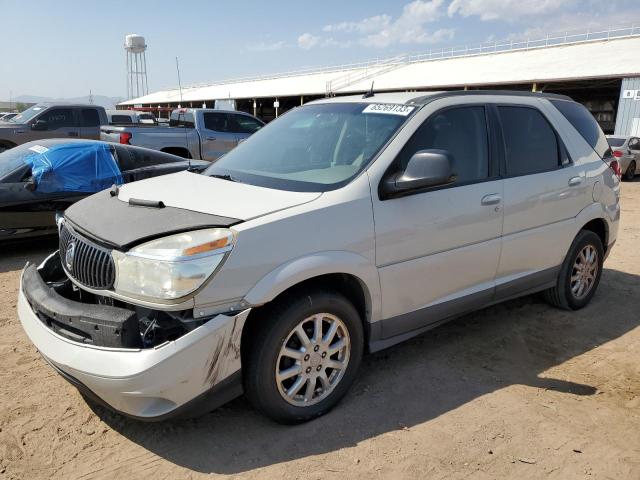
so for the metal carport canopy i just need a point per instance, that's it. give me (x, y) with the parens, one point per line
(595, 59)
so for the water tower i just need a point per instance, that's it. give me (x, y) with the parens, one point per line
(135, 49)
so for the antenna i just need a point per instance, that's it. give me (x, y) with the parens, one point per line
(186, 136)
(370, 92)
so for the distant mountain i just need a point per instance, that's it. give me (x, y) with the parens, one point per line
(106, 102)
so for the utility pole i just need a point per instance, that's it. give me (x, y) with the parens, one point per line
(90, 97)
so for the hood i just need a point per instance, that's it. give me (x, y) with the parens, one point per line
(213, 196)
(191, 201)
(12, 126)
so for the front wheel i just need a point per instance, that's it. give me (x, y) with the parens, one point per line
(631, 171)
(303, 356)
(580, 273)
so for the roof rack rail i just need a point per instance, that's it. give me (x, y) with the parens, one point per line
(455, 93)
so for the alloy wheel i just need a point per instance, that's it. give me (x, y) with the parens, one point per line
(584, 272)
(313, 359)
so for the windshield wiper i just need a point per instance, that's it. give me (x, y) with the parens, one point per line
(226, 177)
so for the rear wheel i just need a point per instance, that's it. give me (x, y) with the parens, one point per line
(580, 273)
(631, 171)
(303, 356)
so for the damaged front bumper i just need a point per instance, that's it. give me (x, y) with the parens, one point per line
(192, 374)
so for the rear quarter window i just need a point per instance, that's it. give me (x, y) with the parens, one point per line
(585, 124)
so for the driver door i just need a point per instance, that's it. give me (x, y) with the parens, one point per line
(27, 213)
(217, 136)
(58, 123)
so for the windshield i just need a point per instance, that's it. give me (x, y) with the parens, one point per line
(28, 114)
(314, 148)
(13, 158)
(616, 141)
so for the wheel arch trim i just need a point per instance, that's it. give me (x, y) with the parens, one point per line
(316, 265)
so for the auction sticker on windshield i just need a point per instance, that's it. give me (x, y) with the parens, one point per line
(389, 108)
(39, 149)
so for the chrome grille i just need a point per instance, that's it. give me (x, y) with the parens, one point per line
(89, 264)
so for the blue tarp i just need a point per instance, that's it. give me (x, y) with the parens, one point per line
(73, 167)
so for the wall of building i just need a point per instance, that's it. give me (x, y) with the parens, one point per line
(628, 119)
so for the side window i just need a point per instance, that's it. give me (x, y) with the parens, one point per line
(245, 124)
(130, 158)
(530, 142)
(585, 124)
(58, 118)
(218, 122)
(182, 119)
(634, 144)
(121, 119)
(90, 117)
(462, 131)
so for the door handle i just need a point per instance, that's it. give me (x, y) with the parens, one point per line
(72, 134)
(492, 199)
(575, 181)
(210, 138)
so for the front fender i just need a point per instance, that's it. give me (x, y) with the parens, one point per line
(314, 265)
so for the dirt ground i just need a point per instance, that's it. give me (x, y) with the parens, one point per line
(519, 390)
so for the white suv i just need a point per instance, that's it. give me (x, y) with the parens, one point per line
(346, 225)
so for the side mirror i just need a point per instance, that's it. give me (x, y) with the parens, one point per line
(39, 125)
(30, 185)
(426, 168)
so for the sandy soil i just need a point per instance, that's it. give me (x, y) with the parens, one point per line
(520, 390)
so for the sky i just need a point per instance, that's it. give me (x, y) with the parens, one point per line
(64, 48)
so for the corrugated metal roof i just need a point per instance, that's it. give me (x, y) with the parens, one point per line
(592, 59)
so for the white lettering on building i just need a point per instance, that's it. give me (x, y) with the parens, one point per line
(633, 94)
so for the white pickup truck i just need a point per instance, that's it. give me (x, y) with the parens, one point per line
(199, 133)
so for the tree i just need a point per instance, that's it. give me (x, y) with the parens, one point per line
(20, 107)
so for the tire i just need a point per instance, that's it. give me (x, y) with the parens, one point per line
(276, 329)
(567, 293)
(631, 171)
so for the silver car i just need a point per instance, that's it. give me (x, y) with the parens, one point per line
(627, 151)
(347, 225)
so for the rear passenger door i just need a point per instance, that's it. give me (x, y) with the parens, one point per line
(543, 192)
(89, 123)
(216, 136)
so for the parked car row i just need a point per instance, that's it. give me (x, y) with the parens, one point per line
(347, 225)
(4, 117)
(199, 133)
(627, 151)
(42, 178)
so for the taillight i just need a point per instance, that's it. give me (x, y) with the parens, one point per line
(615, 166)
(617, 153)
(125, 137)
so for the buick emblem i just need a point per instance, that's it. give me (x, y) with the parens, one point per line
(69, 254)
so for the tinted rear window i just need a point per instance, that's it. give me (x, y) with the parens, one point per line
(90, 117)
(616, 142)
(530, 143)
(585, 124)
(121, 119)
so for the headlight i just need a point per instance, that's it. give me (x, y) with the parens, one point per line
(173, 266)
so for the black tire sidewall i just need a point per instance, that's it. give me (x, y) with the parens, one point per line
(631, 171)
(260, 385)
(583, 239)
